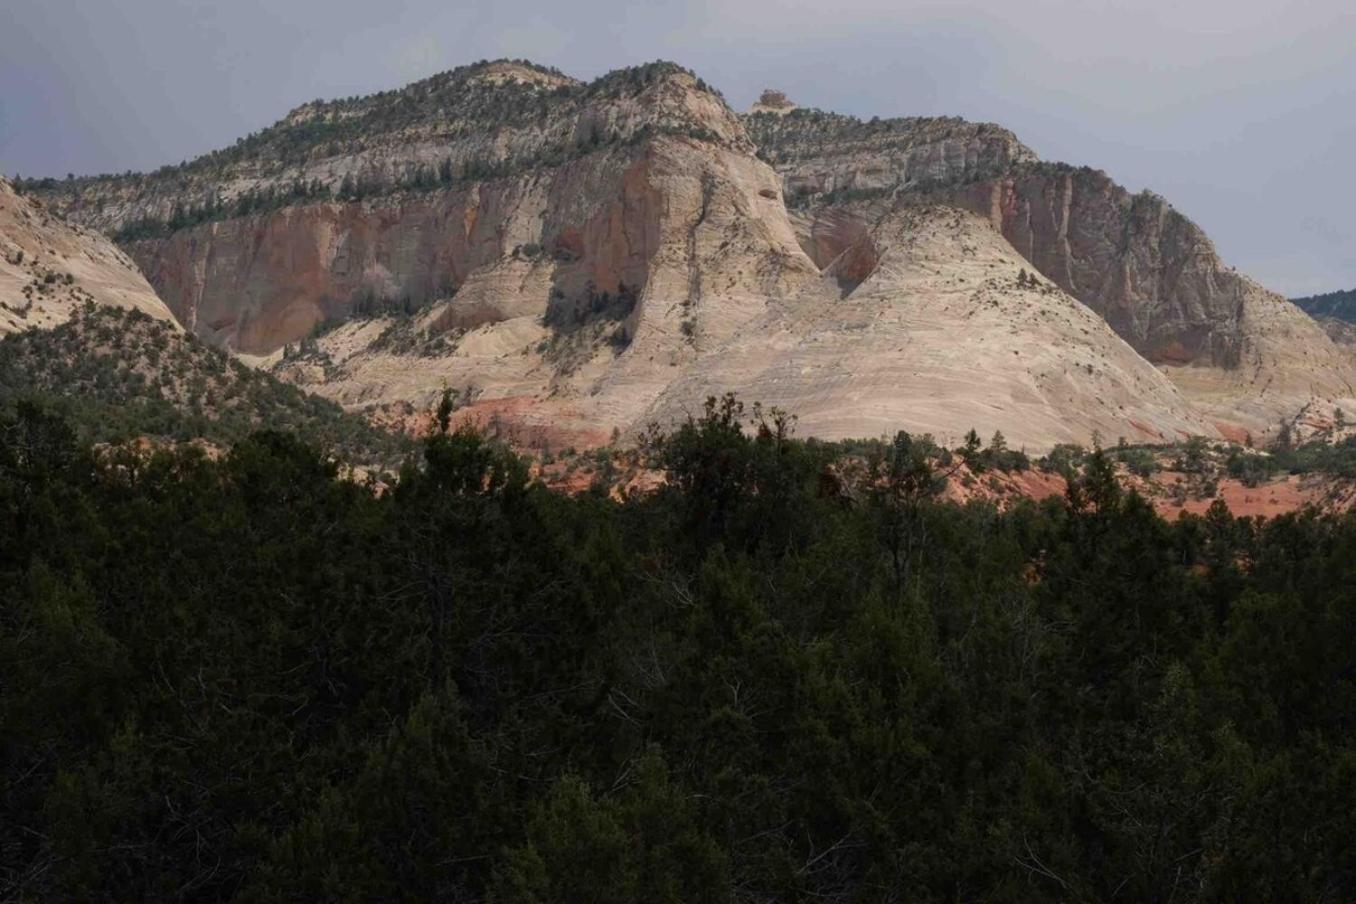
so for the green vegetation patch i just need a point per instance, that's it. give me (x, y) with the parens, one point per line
(248, 679)
(117, 374)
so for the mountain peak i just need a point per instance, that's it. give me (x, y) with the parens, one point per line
(499, 72)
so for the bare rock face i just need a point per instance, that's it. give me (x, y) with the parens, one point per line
(1149, 271)
(559, 193)
(48, 268)
(1244, 354)
(929, 321)
(694, 249)
(502, 248)
(1340, 331)
(1288, 364)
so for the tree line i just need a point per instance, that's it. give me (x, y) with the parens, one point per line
(245, 678)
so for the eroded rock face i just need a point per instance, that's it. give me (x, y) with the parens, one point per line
(1150, 271)
(1244, 355)
(563, 193)
(1288, 364)
(942, 329)
(49, 267)
(617, 219)
(1342, 332)
(1235, 349)
(256, 283)
(686, 232)
(1147, 269)
(928, 321)
(578, 258)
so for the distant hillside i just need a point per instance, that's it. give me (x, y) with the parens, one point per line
(49, 267)
(118, 374)
(1341, 305)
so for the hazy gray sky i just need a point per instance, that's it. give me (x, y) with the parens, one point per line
(1242, 113)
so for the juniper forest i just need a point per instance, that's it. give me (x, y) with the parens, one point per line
(249, 677)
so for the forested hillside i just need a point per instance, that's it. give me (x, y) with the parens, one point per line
(247, 679)
(1340, 305)
(120, 374)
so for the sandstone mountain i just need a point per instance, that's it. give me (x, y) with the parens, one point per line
(1242, 354)
(930, 319)
(504, 183)
(578, 258)
(48, 268)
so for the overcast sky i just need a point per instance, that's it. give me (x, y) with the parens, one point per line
(1241, 112)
